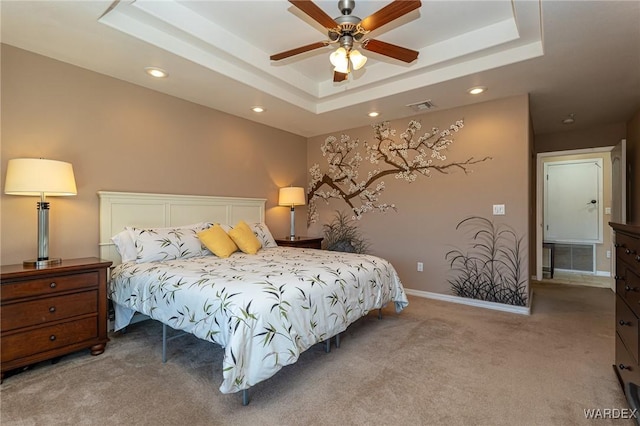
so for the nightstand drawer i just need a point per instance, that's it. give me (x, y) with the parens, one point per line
(301, 242)
(52, 311)
(45, 286)
(45, 339)
(25, 314)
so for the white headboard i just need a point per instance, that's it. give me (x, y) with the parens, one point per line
(120, 209)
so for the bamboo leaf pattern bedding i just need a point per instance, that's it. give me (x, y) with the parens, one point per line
(264, 309)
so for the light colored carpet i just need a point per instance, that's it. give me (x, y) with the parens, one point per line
(436, 363)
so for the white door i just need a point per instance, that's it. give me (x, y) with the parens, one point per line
(572, 207)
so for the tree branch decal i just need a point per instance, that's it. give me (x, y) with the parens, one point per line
(405, 156)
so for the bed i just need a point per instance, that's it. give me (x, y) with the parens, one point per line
(264, 309)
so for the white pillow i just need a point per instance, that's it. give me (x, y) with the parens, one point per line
(154, 244)
(125, 246)
(264, 235)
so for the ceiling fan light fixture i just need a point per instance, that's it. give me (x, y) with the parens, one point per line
(338, 57)
(340, 60)
(343, 67)
(357, 59)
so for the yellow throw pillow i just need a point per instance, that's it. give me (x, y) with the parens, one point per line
(244, 238)
(217, 241)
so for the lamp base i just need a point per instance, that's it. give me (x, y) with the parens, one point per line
(42, 263)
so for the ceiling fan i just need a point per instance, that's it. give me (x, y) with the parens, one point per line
(348, 29)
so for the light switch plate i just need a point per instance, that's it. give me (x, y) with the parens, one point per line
(498, 209)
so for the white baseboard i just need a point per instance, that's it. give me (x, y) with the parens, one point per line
(522, 310)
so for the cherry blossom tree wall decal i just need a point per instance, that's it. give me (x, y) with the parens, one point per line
(404, 156)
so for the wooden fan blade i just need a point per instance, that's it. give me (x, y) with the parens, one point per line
(315, 13)
(339, 76)
(400, 53)
(298, 50)
(388, 13)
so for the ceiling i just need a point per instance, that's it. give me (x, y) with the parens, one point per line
(571, 57)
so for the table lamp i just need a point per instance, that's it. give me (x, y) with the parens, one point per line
(40, 177)
(292, 196)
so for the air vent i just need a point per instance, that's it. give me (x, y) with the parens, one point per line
(422, 106)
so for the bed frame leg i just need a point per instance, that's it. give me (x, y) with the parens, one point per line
(380, 313)
(164, 343)
(338, 340)
(327, 345)
(245, 397)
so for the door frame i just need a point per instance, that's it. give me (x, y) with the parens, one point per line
(540, 194)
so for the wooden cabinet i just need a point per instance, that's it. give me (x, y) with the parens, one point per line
(49, 312)
(301, 242)
(627, 275)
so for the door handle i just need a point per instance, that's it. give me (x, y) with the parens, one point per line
(592, 202)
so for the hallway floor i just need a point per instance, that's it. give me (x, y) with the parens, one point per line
(590, 280)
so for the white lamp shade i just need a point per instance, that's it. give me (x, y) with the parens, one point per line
(291, 196)
(37, 176)
(357, 59)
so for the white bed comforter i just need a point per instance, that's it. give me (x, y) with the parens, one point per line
(264, 309)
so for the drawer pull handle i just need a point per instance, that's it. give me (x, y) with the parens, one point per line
(52, 285)
(638, 258)
(619, 278)
(53, 337)
(623, 322)
(629, 251)
(52, 309)
(616, 245)
(623, 367)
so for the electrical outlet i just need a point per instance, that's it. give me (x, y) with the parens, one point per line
(498, 209)
(420, 267)
(608, 254)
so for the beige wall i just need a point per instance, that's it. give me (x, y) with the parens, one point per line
(423, 229)
(122, 137)
(633, 160)
(595, 137)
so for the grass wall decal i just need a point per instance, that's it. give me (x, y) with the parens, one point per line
(491, 269)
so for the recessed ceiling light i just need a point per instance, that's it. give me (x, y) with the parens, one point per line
(373, 114)
(257, 109)
(477, 90)
(156, 72)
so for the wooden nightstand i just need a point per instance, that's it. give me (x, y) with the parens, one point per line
(49, 312)
(301, 242)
